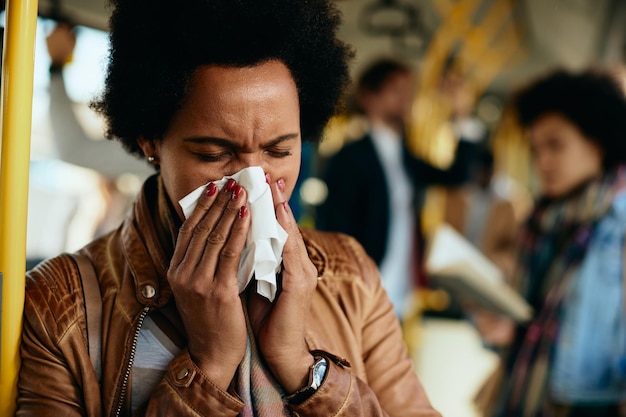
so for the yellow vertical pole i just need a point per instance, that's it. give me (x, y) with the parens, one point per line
(17, 96)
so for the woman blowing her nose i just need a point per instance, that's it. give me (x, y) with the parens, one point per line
(204, 89)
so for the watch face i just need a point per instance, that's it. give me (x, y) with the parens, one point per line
(319, 372)
(316, 377)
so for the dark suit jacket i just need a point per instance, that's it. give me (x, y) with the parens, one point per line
(358, 196)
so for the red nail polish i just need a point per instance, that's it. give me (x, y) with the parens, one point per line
(281, 185)
(267, 178)
(237, 192)
(230, 185)
(211, 189)
(243, 211)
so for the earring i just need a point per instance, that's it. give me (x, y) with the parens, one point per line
(151, 159)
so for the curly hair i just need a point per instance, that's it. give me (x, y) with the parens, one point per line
(156, 46)
(593, 101)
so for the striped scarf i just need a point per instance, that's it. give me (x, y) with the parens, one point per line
(257, 387)
(553, 245)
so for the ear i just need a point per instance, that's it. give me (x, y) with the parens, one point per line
(148, 147)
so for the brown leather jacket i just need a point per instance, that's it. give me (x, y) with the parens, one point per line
(351, 318)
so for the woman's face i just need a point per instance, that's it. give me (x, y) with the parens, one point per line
(563, 156)
(232, 118)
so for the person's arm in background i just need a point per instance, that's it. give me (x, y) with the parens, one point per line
(71, 141)
(467, 129)
(456, 174)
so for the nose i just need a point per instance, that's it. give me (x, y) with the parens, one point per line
(249, 159)
(544, 164)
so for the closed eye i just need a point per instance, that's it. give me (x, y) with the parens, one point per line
(213, 157)
(279, 153)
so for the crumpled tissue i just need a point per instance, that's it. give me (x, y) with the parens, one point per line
(262, 254)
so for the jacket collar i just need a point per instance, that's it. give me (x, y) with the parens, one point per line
(148, 237)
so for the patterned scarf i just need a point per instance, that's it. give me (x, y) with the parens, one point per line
(259, 390)
(553, 245)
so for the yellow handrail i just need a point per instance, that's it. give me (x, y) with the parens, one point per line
(17, 96)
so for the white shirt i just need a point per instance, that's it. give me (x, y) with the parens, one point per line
(396, 265)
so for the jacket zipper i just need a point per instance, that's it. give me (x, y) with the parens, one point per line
(129, 368)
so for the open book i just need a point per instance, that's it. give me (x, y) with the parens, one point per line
(454, 264)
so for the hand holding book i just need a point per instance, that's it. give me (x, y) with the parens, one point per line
(456, 265)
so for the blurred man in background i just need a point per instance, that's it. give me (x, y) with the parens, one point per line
(376, 188)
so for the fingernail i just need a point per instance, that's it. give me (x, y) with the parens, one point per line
(230, 185)
(267, 178)
(281, 185)
(243, 211)
(237, 192)
(286, 206)
(211, 189)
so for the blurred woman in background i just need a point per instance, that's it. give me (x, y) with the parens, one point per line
(570, 360)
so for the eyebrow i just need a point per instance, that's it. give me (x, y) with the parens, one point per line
(229, 144)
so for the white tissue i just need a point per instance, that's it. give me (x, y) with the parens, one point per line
(266, 238)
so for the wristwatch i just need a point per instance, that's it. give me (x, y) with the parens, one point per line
(316, 377)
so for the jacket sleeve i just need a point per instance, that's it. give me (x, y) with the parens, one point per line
(186, 391)
(456, 174)
(56, 376)
(393, 388)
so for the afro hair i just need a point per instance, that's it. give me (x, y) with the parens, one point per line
(156, 46)
(593, 101)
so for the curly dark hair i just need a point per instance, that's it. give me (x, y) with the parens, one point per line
(592, 100)
(156, 45)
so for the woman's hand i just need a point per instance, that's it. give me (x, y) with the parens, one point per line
(203, 278)
(279, 327)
